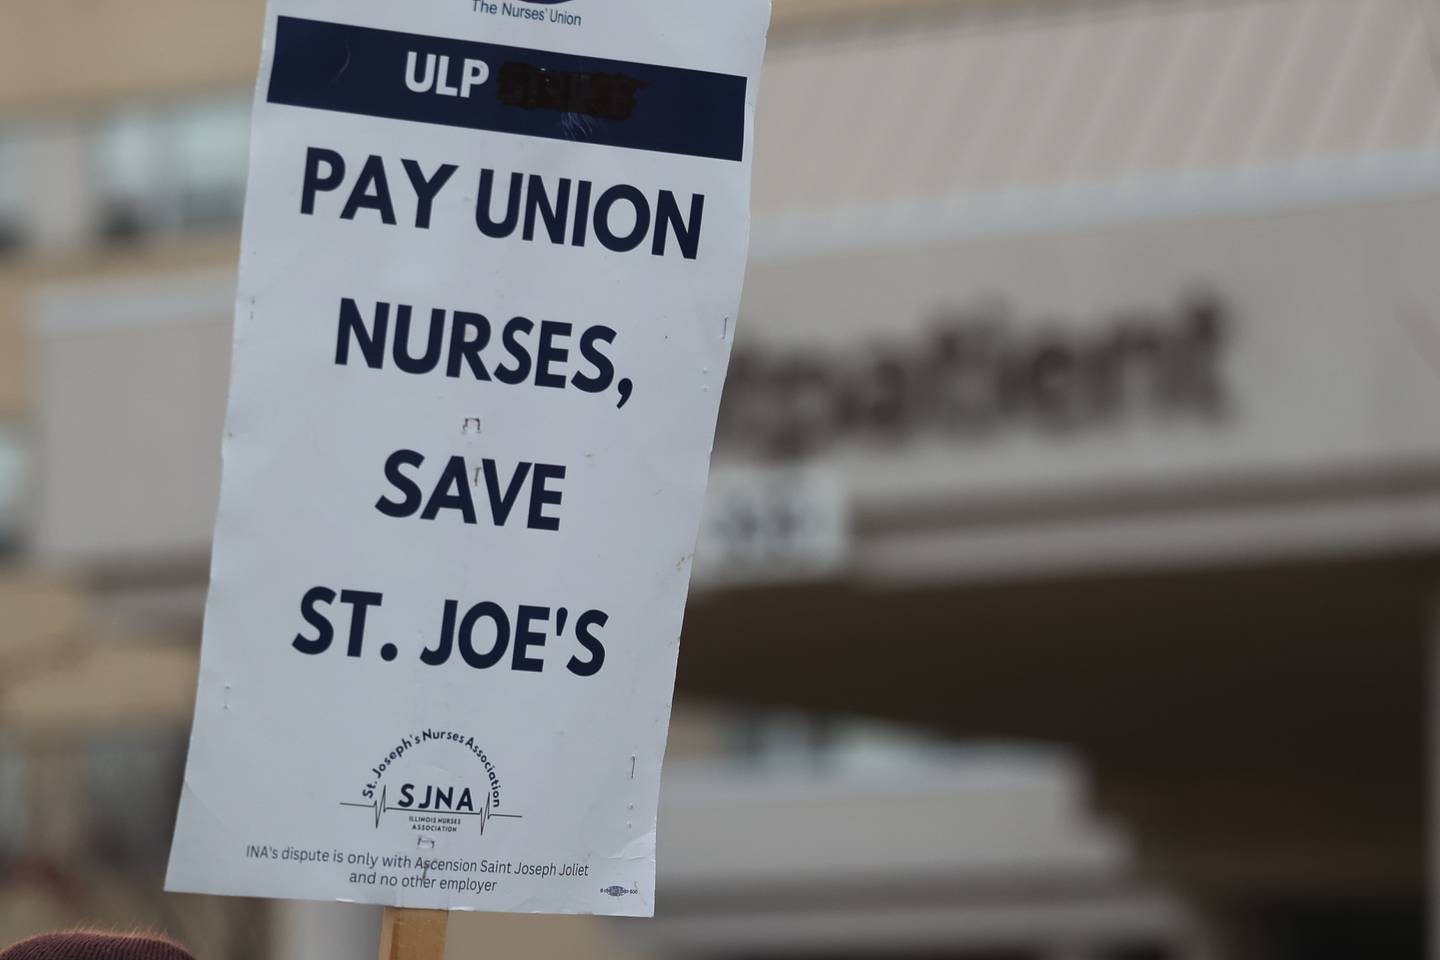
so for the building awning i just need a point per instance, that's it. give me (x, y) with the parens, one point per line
(1101, 285)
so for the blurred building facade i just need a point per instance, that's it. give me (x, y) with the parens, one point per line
(1084, 395)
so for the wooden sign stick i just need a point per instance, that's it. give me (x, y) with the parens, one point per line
(413, 934)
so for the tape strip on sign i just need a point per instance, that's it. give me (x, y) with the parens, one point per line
(491, 263)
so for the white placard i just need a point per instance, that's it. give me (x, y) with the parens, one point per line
(492, 259)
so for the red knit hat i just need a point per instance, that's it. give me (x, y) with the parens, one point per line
(94, 946)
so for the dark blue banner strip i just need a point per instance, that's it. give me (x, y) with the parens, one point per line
(485, 86)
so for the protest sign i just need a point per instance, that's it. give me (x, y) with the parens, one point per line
(491, 262)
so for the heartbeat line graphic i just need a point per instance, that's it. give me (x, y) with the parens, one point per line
(380, 807)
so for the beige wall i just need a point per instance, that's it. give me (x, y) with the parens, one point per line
(20, 281)
(89, 52)
(14, 356)
(791, 11)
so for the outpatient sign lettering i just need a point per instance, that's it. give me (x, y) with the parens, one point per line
(491, 263)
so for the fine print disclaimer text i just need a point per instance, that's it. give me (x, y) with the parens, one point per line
(406, 872)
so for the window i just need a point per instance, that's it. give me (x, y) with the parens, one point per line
(13, 233)
(168, 168)
(212, 148)
(132, 175)
(145, 170)
(14, 478)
